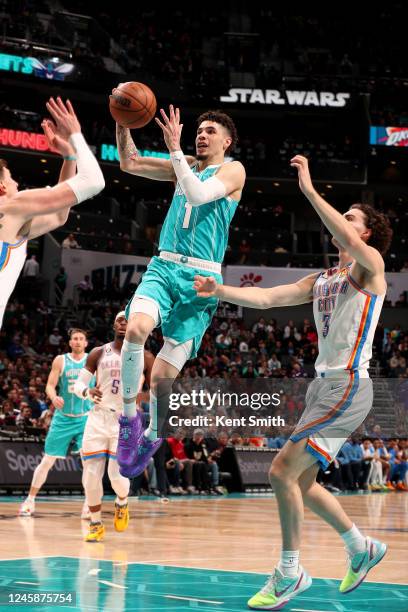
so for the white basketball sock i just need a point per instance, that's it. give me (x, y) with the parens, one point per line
(96, 517)
(289, 563)
(151, 431)
(354, 540)
(132, 358)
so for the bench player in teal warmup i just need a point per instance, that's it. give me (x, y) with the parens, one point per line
(69, 420)
(193, 240)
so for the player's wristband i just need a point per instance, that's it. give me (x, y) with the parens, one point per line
(81, 386)
(70, 157)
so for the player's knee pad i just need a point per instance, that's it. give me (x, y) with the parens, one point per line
(120, 484)
(41, 471)
(176, 354)
(92, 476)
(145, 306)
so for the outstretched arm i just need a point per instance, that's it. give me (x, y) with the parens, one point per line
(345, 234)
(229, 179)
(85, 184)
(300, 292)
(46, 223)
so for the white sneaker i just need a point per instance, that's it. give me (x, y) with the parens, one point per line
(173, 490)
(182, 491)
(27, 508)
(192, 490)
(85, 514)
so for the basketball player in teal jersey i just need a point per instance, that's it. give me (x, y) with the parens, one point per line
(69, 420)
(193, 239)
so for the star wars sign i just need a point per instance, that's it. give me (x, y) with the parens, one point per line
(274, 97)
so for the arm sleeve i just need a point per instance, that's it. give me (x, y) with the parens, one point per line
(82, 383)
(88, 180)
(197, 192)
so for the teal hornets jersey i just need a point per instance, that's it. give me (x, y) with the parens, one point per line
(198, 231)
(70, 372)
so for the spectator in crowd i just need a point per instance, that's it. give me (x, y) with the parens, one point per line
(24, 419)
(183, 463)
(54, 341)
(45, 418)
(206, 467)
(70, 242)
(31, 268)
(85, 289)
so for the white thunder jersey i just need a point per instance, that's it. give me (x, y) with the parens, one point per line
(346, 317)
(12, 258)
(108, 380)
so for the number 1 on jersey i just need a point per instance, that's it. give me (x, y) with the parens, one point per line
(187, 216)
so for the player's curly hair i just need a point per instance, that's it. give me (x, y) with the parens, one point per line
(224, 120)
(379, 224)
(3, 164)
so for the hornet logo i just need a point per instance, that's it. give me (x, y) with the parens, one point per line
(51, 69)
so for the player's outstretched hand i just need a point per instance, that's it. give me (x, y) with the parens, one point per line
(95, 394)
(55, 141)
(205, 286)
(64, 117)
(171, 128)
(302, 166)
(58, 402)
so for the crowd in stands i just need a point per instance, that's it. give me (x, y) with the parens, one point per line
(32, 335)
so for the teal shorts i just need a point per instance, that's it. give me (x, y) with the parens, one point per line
(63, 431)
(183, 315)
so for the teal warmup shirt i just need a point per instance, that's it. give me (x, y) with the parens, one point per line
(198, 231)
(67, 379)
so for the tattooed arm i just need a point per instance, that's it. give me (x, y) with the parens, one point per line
(131, 161)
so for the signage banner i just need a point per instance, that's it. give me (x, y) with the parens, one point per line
(18, 461)
(51, 69)
(389, 136)
(254, 466)
(79, 263)
(274, 97)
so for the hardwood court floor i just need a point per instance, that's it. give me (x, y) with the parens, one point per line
(210, 554)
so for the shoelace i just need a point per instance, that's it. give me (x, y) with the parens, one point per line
(125, 433)
(270, 584)
(121, 511)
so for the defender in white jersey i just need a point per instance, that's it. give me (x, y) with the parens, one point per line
(347, 302)
(34, 212)
(102, 429)
(193, 240)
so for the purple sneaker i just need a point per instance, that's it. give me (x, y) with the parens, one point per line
(130, 430)
(145, 450)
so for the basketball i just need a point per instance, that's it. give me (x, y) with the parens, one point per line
(132, 104)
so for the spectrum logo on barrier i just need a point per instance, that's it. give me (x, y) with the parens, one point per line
(389, 136)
